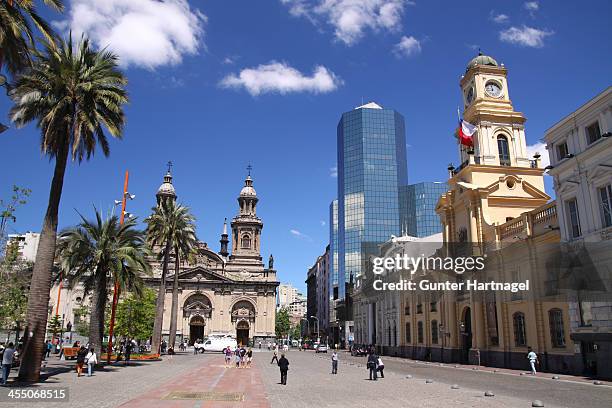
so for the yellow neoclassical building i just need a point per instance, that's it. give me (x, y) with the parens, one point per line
(496, 207)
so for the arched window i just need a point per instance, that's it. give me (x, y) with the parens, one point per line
(420, 332)
(434, 332)
(408, 336)
(557, 334)
(504, 150)
(246, 241)
(520, 336)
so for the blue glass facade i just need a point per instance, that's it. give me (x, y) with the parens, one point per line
(420, 201)
(371, 170)
(333, 246)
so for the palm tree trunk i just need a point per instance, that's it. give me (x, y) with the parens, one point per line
(159, 306)
(173, 312)
(40, 286)
(98, 303)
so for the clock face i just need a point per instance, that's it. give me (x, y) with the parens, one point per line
(493, 89)
(469, 96)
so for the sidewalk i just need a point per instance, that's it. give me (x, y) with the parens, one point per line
(495, 370)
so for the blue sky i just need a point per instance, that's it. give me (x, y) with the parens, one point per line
(215, 85)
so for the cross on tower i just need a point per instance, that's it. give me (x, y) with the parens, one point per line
(169, 166)
(249, 168)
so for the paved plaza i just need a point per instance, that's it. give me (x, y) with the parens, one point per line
(198, 381)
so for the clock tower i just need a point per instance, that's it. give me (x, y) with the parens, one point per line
(497, 180)
(500, 137)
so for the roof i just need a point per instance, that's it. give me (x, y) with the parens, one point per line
(370, 105)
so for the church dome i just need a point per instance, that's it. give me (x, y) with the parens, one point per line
(167, 188)
(481, 59)
(248, 189)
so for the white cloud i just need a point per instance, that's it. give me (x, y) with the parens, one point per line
(539, 148)
(299, 234)
(531, 6)
(500, 18)
(145, 33)
(281, 78)
(407, 47)
(525, 36)
(351, 18)
(333, 171)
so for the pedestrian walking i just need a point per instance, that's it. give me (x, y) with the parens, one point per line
(372, 365)
(91, 359)
(283, 364)
(237, 357)
(533, 360)
(334, 358)
(274, 356)
(381, 367)
(128, 352)
(48, 348)
(249, 357)
(260, 344)
(243, 353)
(228, 356)
(7, 362)
(80, 360)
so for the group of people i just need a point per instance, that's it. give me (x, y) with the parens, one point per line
(86, 356)
(242, 357)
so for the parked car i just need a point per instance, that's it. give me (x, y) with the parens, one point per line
(322, 348)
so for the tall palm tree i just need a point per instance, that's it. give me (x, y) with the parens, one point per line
(98, 253)
(16, 34)
(170, 226)
(72, 93)
(184, 241)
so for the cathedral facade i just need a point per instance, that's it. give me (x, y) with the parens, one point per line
(225, 292)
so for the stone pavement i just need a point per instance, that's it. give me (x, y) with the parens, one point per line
(310, 384)
(202, 381)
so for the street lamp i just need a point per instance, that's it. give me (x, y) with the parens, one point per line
(317, 319)
(126, 196)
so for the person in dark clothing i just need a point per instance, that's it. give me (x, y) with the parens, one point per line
(80, 360)
(283, 364)
(274, 357)
(128, 352)
(372, 365)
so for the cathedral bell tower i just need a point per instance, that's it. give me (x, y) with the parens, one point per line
(496, 180)
(166, 191)
(246, 228)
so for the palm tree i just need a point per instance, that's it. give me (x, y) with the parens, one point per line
(170, 226)
(98, 253)
(184, 240)
(72, 92)
(16, 35)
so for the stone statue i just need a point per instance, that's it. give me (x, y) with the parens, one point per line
(271, 262)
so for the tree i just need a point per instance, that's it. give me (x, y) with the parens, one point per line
(55, 325)
(165, 226)
(283, 325)
(8, 210)
(98, 253)
(296, 332)
(135, 315)
(72, 93)
(81, 322)
(16, 35)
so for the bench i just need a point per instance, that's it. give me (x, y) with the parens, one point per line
(70, 352)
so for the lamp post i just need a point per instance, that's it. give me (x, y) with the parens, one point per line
(111, 328)
(317, 319)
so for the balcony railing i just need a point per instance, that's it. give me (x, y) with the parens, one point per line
(532, 223)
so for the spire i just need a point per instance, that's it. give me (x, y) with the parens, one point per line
(224, 240)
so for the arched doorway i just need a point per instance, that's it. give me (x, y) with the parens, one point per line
(242, 332)
(466, 333)
(196, 329)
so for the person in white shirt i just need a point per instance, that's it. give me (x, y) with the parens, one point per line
(533, 359)
(91, 360)
(334, 358)
(7, 362)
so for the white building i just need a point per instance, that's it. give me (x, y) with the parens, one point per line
(290, 297)
(580, 149)
(28, 244)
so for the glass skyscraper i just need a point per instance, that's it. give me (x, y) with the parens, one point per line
(420, 199)
(371, 170)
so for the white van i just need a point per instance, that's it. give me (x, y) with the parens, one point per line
(219, 343)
